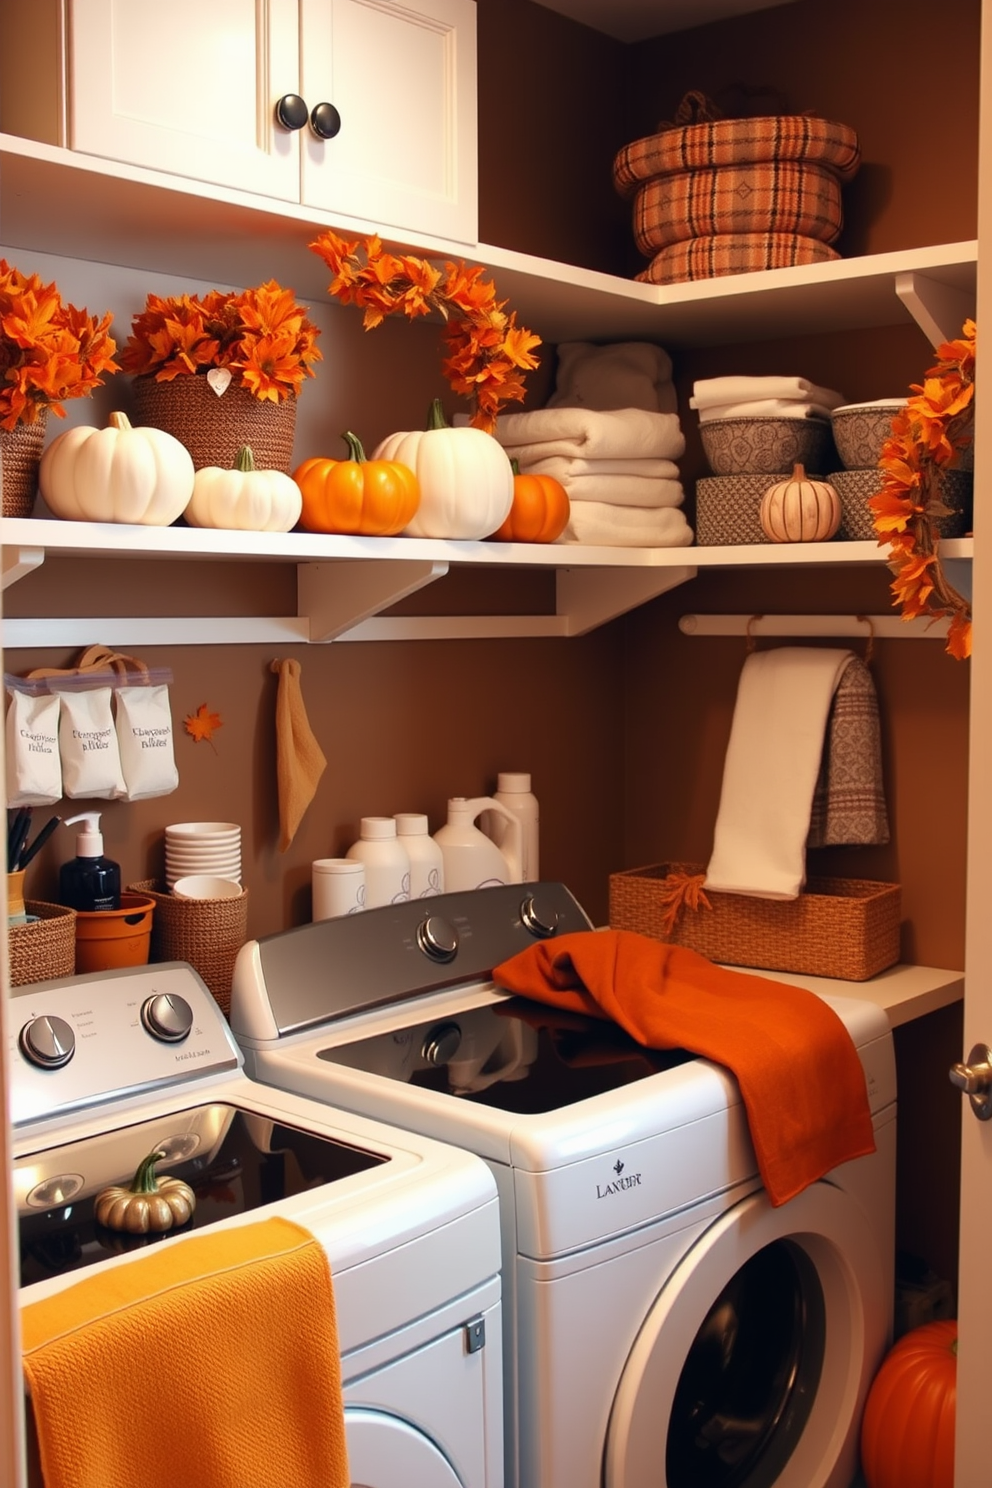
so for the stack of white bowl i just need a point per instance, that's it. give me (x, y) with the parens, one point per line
(194, 848)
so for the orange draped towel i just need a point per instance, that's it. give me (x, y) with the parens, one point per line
(211, 1360)
(300, 760)
(799, 1074)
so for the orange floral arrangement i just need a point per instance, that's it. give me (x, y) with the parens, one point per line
(49, 351)
(927, 436)
(488, 353)
(260, 335)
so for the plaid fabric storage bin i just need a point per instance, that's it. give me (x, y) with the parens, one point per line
(733, 253)
(716, 196)
(721, 142)
(788, 195)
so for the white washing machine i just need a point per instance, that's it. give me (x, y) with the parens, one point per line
(664, 1324)
(109, 1067)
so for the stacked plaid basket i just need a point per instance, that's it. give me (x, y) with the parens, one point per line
(716, 196)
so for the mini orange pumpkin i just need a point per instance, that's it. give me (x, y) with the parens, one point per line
(800, 509)
(539, 512)
(373, 498)
(907, 1433)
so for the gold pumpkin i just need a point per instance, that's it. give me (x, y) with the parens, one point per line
(149, 1206)
(800, 509)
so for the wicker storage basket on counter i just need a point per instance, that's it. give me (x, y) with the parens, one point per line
(45, 948)
(208, 933)
(838, 927)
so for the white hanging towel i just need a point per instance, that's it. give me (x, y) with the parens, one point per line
(769, 775)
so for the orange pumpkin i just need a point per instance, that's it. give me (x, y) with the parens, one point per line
(539, 511)
(374, 498)
(907, 1434)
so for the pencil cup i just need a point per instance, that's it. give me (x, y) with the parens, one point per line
(16, 913)
(338, 887)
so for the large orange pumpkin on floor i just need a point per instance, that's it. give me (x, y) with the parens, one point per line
(907, 1435)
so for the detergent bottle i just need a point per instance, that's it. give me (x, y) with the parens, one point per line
(89, 881)
(471, 859)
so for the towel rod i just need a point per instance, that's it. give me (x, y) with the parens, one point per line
(891, 627)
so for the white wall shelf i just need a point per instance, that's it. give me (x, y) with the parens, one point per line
(145, 219)
(345, 583)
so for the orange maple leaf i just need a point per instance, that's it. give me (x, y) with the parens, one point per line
(202, 725)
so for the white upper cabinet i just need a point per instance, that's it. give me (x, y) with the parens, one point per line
(365, 109)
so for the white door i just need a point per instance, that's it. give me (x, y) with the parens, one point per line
(187, 88)
(973, 1464)
(402, 80)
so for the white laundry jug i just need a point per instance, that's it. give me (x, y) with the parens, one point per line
(471, 860)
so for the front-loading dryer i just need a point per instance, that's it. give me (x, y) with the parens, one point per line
(109, 1067)
(665, 1325)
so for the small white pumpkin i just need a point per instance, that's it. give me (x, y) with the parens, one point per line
(117, 474)
(800, 509)
(243, 498)
(465, 478)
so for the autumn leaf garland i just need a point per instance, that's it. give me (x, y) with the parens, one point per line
(927, 436)
(488, 353)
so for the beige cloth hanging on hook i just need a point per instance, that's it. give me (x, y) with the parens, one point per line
(300, 760)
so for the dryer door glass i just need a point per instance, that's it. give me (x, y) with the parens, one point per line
(750, 1378)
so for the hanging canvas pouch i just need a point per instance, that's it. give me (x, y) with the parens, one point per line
(144, 735)
(33, 764)
(91, 757)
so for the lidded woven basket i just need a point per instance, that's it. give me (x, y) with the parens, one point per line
(716, 196)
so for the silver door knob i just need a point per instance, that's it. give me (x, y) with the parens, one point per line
(975, 1080)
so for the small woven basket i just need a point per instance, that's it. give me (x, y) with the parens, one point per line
(45, 948)
(214, 428)
(20, 452)
(208, 933)
(837, 927)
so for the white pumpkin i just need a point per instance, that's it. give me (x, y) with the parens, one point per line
(800, 509)
(243, 498)
(465, 478)
(117, 474)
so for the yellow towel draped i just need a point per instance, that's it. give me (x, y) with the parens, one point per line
(210, 1360)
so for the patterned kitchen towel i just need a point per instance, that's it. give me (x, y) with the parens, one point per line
(849, 799)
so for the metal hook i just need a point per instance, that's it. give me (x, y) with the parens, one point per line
(751, 642)
(870, 645)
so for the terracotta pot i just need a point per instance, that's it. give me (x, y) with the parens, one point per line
(20, 452)
(214, 428)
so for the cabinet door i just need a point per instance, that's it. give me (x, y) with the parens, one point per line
(187, 88)
(403, 79)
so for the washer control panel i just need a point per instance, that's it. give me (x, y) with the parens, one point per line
(83, 1039)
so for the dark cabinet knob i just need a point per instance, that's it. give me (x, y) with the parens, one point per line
(291, 111)
(325, 121)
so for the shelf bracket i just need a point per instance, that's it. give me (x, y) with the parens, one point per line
(334, 596)
(589, 597)
(940, 310)
(19, 562)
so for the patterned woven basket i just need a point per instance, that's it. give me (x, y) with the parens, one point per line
(856, 487)
(208, 933)
(45, 948)
(214, 429)
(781, 196)
(838, 927)
(20, 451)
(734, 253)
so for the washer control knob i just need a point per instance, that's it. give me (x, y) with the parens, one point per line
(441, 1044)
(540, 919)
(167, 1017)
(437, 939)
(47, 1042)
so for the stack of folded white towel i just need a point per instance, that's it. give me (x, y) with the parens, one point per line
(610, 434)
(755, 397)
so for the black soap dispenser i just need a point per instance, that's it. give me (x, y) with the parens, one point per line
(89, 881)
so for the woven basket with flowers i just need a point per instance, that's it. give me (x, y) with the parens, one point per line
(222, 370)
(49, 352)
